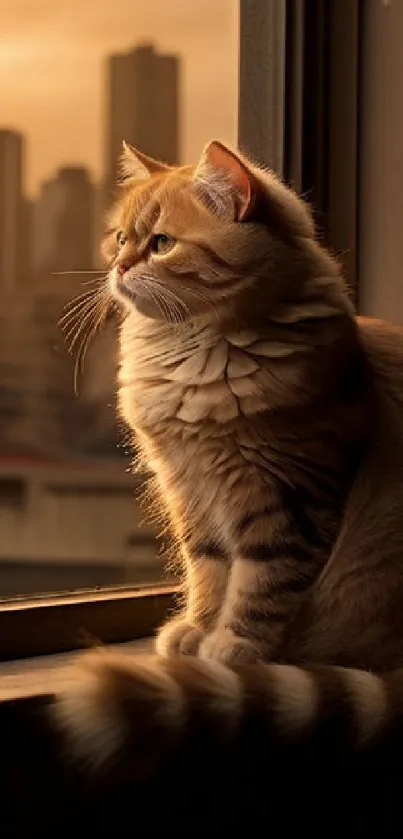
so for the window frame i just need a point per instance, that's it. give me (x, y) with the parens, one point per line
(299, 93)
(298, 113)
(323, 114)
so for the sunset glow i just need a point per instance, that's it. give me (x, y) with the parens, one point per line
(52, 71)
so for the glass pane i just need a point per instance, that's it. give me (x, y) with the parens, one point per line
(75, 80)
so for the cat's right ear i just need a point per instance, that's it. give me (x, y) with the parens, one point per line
(134, 164)
(223, 179)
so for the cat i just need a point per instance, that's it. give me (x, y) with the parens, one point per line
(243, 391)
(271, 418)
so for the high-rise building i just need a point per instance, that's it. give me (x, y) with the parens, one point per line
(143, 107)
(63, 238)
(14, 234)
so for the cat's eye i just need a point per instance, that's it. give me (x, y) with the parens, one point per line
(161, 243)
(121, 238)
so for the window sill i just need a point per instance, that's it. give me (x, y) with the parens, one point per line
(44, 626)
(257, 789)
(45, 675)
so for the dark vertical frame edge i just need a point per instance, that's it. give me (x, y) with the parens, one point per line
(299, 86)
(321, 136)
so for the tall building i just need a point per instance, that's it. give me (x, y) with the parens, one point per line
(14, 232)
(63, 235)
(38, 407)
(142, 107)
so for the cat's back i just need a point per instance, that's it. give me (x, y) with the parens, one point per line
(382, 343)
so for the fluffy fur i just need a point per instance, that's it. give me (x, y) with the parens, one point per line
(271, 419)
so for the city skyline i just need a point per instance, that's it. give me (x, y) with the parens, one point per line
(38, 279)
(55, 87)
(62, 109)
(62, 225)
(137, 125)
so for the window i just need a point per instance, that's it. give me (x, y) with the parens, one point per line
(73, 548)
(75, 560)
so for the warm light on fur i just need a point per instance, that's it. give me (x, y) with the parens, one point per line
(272, 421)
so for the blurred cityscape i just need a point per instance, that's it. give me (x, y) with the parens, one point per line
(66, 500)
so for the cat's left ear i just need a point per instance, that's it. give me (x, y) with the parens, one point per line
(224, 180)
(135, 164)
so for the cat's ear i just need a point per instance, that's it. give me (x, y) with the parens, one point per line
(135, 164)
(224, 180)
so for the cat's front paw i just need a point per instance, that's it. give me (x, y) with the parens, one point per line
(179, 637)
(224, 646)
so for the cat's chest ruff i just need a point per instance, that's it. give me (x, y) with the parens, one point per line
(188, 384)
(192, 377)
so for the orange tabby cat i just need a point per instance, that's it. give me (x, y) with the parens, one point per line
(271, 419)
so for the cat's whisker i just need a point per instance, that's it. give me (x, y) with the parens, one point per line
(76, 317)
(75, 334)
(78, 303)
(76, 323)
(151, 286)
(97, 281)
(91, 324)
(178, 310)
(173, 304)
(85, 344)
(156, 298)
(85, 295)
(197, 294)
(71, 273)
(181, 307)
(82, 299)
(85, 312)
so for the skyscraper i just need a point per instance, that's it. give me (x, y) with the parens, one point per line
(13, 211)
(64, 223)
(143, 107)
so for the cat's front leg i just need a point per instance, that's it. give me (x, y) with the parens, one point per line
(207, 573)
(272, 569)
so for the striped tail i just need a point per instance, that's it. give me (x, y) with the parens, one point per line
(142, 709)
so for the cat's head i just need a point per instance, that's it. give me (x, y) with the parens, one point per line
(219, 240)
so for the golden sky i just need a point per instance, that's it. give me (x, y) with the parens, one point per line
(52, 71)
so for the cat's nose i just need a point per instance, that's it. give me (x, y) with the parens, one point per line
(125, 265)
